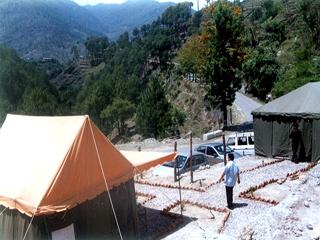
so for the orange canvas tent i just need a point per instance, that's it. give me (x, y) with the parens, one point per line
(57, 172)
(62, 164)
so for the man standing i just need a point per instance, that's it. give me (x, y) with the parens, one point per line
(231, 174)
(296, 143)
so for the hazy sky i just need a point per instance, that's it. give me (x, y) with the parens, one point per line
(93, 2)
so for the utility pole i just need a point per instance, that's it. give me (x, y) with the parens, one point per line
(191, 172)
(175, 162)
(175, 176)
(224, 149)
(179, 178)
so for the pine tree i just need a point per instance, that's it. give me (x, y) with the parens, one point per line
(222, 36)
(153, 110)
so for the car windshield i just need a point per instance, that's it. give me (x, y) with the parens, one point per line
(219, 149)
(180, 162)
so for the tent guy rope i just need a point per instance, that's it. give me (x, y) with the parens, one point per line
(24, 237)
(105, 180)
(3, 211)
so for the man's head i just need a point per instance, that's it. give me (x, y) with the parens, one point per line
(230, 156)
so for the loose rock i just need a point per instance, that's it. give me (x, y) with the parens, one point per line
(310, 227)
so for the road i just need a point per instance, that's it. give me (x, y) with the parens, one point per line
(246, 105)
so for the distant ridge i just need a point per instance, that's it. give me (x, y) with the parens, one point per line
(50, 28)
(119, 18)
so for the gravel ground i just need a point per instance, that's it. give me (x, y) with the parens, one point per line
(296, 217)
(244, 211)
(209, 175)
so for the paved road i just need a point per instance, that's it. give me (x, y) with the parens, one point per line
(247, 105)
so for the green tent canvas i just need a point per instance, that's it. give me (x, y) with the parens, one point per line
(272, 123)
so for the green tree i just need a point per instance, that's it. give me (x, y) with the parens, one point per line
(192, 56)
(260, 71)
(222, 36)
(176, 18)
(38, 101)
(75, 51)
(152, 110)
(96, 48)
(270, 9)
(93, 99)
(118, 113)
(274, 32)
(311, 14)
(296, 76)
(155, 116)
(23, 88)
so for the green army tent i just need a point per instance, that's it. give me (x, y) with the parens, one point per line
(273, 122)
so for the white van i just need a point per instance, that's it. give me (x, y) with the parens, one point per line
(242, 143)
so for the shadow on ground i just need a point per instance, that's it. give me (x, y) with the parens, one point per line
(156, 225)
(239, 205)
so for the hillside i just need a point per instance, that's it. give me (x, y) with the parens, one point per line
(121, 82)
(119, 18)
(38, 29)
(282, 41)
(50, 28)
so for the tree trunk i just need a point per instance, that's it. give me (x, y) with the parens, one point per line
(119, 127)
(225, 115)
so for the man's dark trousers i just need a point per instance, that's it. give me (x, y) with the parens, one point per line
(229, 191)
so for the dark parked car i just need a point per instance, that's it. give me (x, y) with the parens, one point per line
(183, 164)
(215, 151)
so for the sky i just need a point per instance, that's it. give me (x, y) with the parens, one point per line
(94, 2)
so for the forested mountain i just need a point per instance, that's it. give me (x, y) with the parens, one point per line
(45, 28)
(283, 46)
(120, 18)
(268, 46)
(130, 84)
(50, 28)
(279, 41)
(23, 89)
